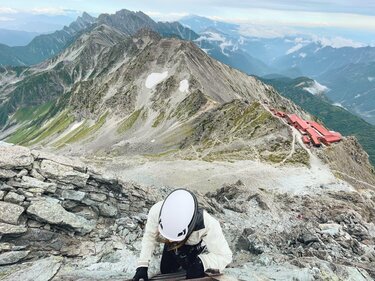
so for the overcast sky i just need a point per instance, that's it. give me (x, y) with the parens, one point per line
(349, 16)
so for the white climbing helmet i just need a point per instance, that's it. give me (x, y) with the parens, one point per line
(178, 215)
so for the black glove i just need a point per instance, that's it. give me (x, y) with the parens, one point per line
(195, 269)
(141, 273)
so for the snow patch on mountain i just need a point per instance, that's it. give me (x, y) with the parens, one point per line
(3, 143)
(75, 126)
(294, 49)
(71, 129)
(216, 37)
(155, 78)
(184, 86)
(211, 36)
(225, 45)
(316, 88)
(339, 105)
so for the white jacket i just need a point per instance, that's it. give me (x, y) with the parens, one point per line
(219, 255)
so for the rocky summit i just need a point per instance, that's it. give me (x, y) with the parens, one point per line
(62, 219)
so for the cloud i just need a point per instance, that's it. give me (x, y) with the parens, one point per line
(277, 18)
(6, 10)
(365, 7)
(262, 31)
(173, 16)
(338, 42)
(48, 11)
(2, 19)
(53, 11)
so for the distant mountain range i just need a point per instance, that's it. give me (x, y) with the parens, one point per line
(21, 20)
(353, 87)
(347, 72)
(46, 46)
(16, 37)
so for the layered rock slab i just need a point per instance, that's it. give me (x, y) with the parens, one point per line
(54, 213)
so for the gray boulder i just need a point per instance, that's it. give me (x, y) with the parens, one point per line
(13, 197)
(34, 173)
(98, 197)
(7, 174)
(10, 213)
(22, 173)
(32, 183)
(15, 157)
(41, 270)
(75, 164)
(107, 210)
(10, 229)
(73, 195)
(66, 174)
(54, 213)
(12, 257)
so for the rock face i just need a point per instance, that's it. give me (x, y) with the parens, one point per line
(67, 174)
(42, 270)
(88, 226)
(12, 257)
(15, 157)
(55, 206)
(333, 231)
(54, 213)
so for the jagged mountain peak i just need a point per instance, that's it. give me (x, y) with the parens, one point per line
(87, 17)
(130, 22)
(127, 21)
(83, 21)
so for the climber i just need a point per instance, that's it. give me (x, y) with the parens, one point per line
(193, 239)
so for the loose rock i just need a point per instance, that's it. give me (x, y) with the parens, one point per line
(73, 195)
(10, 213)
(12, 257)
(54, 213)
(41, 270)
(15, 157)
(63, 173)
(13, 197)
(9, 229)
(32, 183)
(7, 174)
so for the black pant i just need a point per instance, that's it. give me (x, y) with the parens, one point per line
(168, 262)
(173, 260)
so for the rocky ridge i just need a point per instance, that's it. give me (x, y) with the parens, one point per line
(63, 220)
(45, 46)
(53, 210)
(99, 102)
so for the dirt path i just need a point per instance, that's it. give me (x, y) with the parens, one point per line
(208, 176)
